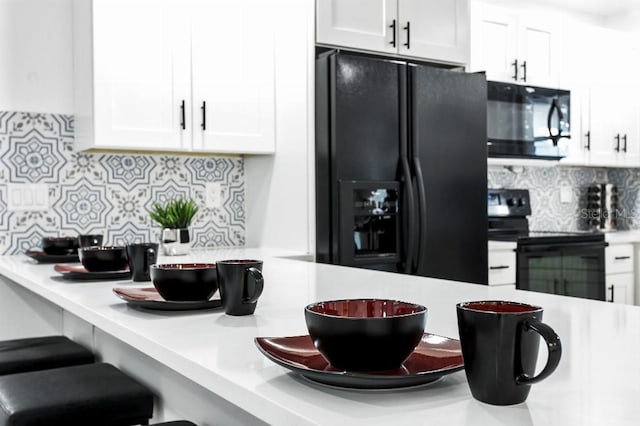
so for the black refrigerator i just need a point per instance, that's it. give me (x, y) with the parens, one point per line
(401, 167)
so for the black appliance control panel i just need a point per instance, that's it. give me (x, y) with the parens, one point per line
(508, 203)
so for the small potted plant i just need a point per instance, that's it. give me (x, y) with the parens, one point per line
(175, 217)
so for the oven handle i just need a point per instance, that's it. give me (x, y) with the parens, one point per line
(538, 248)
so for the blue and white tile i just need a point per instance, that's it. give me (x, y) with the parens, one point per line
(83, 207)
(128, 233)
(33, 158)
(92, 192)
(169, 190)
(211, 235)
(82, 165)
(129, 206)
(128, 170)
(211, 169)
(23, 240)
(171, 168)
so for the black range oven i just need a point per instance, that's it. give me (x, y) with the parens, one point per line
(566, 263)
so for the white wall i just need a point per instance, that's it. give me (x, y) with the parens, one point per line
(36, 56)
(280, 189)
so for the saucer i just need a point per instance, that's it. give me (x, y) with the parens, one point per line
(79, 273)
(42, 257)
(434, 357)
(149, 298)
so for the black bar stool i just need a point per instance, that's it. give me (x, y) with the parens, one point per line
(41, 353)
(91, 394)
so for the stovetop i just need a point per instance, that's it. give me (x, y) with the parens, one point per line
(508, 210)
(547, 237)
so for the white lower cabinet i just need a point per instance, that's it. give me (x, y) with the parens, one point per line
(502, 267)
(619, 267)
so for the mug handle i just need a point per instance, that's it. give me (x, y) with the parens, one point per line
(259, 284)
(553, 346)
(149, 253)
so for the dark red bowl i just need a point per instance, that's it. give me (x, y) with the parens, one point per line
(59, 245)
(103, 259)
(185, 282)
(365, 334)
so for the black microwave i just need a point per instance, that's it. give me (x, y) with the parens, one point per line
(527, 121)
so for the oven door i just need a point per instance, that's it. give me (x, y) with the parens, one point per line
(570, 269)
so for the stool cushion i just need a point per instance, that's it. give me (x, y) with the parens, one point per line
(91, 394)
(41, 353)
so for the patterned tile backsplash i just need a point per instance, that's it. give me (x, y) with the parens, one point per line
(544, 184)
(108, 193)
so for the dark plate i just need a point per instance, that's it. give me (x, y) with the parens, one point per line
(149, 298)
(42, 257)
(435, 356)
(79, 273)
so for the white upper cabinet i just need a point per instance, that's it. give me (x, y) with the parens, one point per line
(601, 71)
(363, 24)
(233, 77)
(516, 46)
(436, 30)
(174, 75)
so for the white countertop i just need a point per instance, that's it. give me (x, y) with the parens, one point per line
(597, 382)
(501, 245)
(622, 237)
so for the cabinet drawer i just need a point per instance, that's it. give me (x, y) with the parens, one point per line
(502, 267)
(619, 258)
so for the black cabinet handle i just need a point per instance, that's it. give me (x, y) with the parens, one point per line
(203, 108)
(499, 267)
(612, 293)
(524, 70)
(588, 145)
(617, 138)
(624, 141)
(183, 121)
(515, 69)
(408, 28)
(622, 257)
(393, 33)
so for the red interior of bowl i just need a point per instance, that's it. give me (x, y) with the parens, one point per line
(500, 307)
(366, 308)
(185, 266)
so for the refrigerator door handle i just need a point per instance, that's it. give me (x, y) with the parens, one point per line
(411, 211)
(422, 210)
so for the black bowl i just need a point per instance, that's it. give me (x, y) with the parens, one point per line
(59, 245)
(103, 259)
(185, 281)
(365, 334)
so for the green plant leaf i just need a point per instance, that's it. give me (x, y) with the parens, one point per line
(175, 214)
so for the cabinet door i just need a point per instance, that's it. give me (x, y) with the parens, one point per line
(539, 50)
(141, 74)
(493, 42)
(362, 24)
(233, 76)
(434, 29)
(620, 288)
(602, 126)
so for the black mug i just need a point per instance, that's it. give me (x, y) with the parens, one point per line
(500, 347)
(141, 257)
(240, 283)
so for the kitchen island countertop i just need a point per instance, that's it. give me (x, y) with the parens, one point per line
(596, 383)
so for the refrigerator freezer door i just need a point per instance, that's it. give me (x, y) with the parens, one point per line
(448, 144)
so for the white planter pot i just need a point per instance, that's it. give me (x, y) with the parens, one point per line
(175, 242)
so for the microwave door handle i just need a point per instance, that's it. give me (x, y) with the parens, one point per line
(554, 106)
